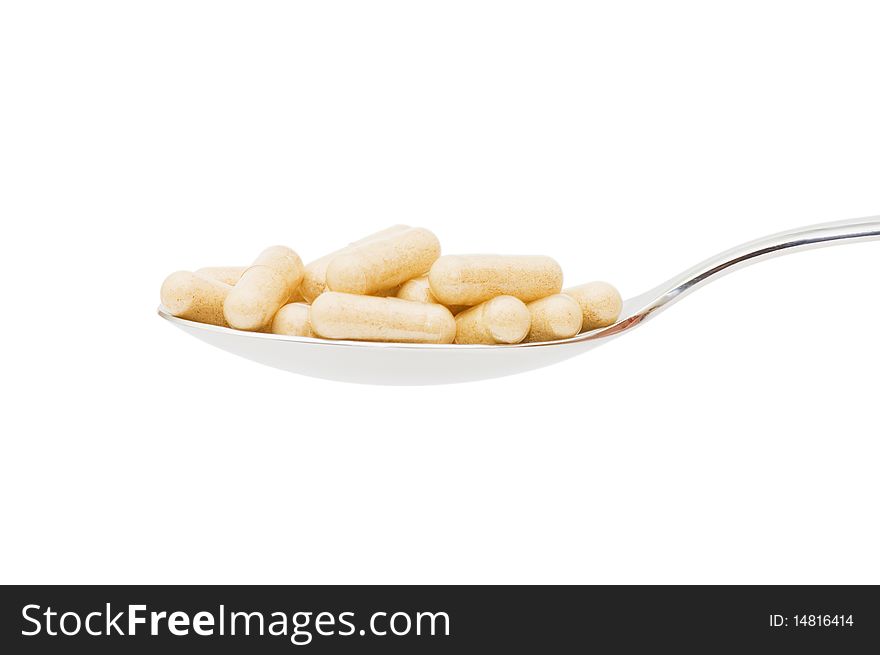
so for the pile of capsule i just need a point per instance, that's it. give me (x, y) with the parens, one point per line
(394, 286)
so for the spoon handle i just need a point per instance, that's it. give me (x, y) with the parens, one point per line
(774, 245)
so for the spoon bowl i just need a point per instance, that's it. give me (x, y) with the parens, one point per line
(423, 364)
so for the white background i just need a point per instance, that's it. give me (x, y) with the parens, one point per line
(734, 439)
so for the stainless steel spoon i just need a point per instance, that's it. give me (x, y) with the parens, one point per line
(413, 364)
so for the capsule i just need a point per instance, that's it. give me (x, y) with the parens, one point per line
(195, 297)
(473, 279)
(368, 318)
(419, 290)
(293, 320)
(383, 263)
(315, 275)
(228, 274)
(554, 317)
(600, 303)
(263, 289)
(232, 274)
(503, 319)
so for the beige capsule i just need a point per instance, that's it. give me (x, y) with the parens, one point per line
(232, 274)
(293, 320)
(473, 279)
(503, 319)
(383, 263)
(195, 297)
(419, 290)
(228, 274)
(368, 318)
(600, 303)
(263, 289)
(315, 275)
(554, 317)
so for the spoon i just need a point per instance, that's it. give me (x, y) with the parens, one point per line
(417, 364)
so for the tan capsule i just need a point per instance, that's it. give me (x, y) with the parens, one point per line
(368, 318)
(232, 274)
(600, 303)
(554, 317)
(293, 320)
(195, 297)
(504, 319)
(473, 279)
(419, 290)
(383, 263)
(263, 289)
(228, 274)
(315, 275)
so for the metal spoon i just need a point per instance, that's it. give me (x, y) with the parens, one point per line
(414, 364)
